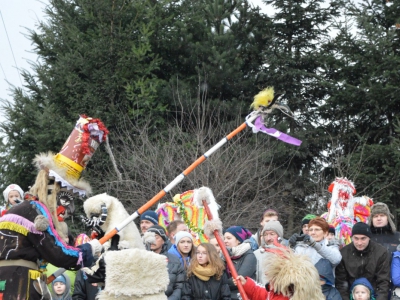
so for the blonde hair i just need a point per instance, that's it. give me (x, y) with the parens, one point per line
(365, 287)
(214, 261)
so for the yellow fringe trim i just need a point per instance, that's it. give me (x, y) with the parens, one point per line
(33, 275)
(14, 227)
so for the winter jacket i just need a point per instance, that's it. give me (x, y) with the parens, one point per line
(84, 290)
(385, 237)
(331, 253)
(258, 292)
(395, 269)
(213, 289)
(245, 265)
(177, 277)
(373, 263)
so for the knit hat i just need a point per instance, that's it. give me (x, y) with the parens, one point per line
(12, 187)
(361, 228)
(382, 208)
(60, 278)
(157, 229)
(331, 229)
(307, 219)
(151, 216)
(180, 235)
(239, 232)
(320, 222)
(273, 226)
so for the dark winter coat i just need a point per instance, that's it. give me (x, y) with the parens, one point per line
(213, 289)
(84, 290)
(20, 240)
(177, 277)
(245, 265)
(373, 263)
(385, 237)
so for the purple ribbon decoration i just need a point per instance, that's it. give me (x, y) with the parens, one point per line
(259, 126)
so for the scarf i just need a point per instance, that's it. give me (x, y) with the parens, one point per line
(239, 250)
(204, 273)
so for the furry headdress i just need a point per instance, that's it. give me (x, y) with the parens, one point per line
(116, 213)
(382, 208)
(292, 275)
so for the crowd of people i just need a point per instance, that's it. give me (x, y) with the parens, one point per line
(310, 263)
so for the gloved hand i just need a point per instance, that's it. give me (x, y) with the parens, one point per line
(293, 240)
(96, 247)
(311, 242)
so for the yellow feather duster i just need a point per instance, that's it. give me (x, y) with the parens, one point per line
(263, 98)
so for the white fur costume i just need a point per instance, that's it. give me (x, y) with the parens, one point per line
(131, 273)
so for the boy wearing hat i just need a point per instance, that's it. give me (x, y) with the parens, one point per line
(383, 228)
(61, 287)
(148, 219)
(363, 258)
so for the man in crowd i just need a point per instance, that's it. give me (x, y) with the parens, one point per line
(383, 228)
(147, 219)
(174, 227)
(272, 230)
(268, 215)
(363, 258)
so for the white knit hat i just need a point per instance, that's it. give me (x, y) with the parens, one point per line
(180, 235)
(12, 187)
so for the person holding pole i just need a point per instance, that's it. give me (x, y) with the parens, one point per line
(243, 258)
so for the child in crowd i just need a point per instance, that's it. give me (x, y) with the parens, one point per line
(331, 233)
(362, 289)
(61, 287)
(13, 195)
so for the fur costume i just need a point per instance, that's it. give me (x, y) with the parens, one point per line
(292, 275)
(132, 272)
(135, 274)
(116, 213)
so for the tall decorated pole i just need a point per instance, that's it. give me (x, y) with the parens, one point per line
(204, 197)
(264, 103)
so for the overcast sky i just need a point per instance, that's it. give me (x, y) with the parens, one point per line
(16, 49)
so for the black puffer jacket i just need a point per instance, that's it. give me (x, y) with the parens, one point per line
(213, 289)
(177, 277)
(245, 265)
(372, 263)
(83, 289)
(385, 237)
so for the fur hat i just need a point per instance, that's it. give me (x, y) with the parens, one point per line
(382, 208)
(151, 216)
(320, 222)
(292, 275)
(180, 235)
(361, 228)
(157, 229)
(273, 225)
(239, 232)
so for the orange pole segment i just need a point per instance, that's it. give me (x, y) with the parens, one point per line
(108, 236)
(226, 254)
(194, 165)
(236, 131)
(151, 202)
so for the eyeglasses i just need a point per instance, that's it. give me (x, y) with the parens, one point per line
(314, 229)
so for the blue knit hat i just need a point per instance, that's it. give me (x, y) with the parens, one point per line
(151, 216)
(60, 278)
(239, 232)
